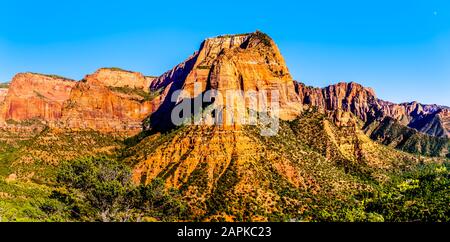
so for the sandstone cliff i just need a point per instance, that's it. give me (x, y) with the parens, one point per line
(110, 100)
(115, 100)
(362, 101)
(240, 63)
(115, 77)
(35, 96)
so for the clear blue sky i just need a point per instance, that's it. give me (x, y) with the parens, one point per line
(400, 48)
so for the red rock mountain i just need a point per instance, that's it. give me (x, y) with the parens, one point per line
(114, 100)
(110, 100)
(240, 63)
(334, 145)
(3, 92)
(36, 96)
(362, 101)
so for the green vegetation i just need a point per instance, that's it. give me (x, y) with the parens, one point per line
(27, 123)
(100, 189)
(390, 132)
(53, 76)
(88, 189)
(233, 35)
(264, 38)
(39, 95)
(422, 195)
(4, 85)
(8, 153)
(86, 176)
(26, 201)
(117, 69)
(146, 96)
(23, 200)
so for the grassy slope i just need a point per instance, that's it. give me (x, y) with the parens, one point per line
(311, 171)
(144, 96)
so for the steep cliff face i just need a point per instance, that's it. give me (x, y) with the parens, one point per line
(169, 83)
(109, 101)
(256, 66)
(436, 123)
(35, 96)
(444, 119)
(114, 100)
(392, 133)
(176, 76)
(238, 63)
(412, 127)
(349, 97)
(362, 101)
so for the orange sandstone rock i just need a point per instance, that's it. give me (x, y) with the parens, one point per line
(35, 96)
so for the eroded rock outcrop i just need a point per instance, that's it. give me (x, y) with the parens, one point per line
(35, 96)
(3, 93)
(362, 101)
(233, 63)
(115, 77)
(110, 100)
(114, 100)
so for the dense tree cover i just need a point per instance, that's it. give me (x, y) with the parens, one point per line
(419, 196)
(101, 189)
(422, 195)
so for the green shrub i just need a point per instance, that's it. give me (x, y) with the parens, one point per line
(146, 96)
(421, 195)
(101, 189)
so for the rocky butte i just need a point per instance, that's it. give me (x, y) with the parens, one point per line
(253, 62)
(247, 62)
(112, 100)
(109, 100)
(332, 143)
(35, 96)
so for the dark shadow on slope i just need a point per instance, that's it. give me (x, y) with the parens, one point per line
(160, 120)
(391, 133)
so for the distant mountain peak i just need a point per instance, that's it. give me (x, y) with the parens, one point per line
(239, 62)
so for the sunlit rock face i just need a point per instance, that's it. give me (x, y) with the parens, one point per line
(3, 93)
(109, 101)
(115, 77)
(35, 96)
(115, 100)
(234, 66)
(362, 102)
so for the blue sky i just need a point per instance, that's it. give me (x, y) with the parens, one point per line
(400, 48)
